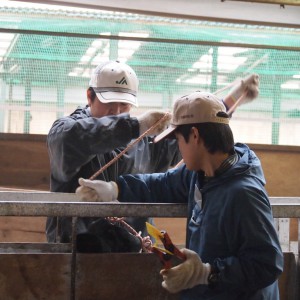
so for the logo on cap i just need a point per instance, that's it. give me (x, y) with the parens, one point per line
(122, 81)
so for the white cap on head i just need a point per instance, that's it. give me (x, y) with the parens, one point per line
(198, 107)
(114, 81)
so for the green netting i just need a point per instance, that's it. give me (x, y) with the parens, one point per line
(47, 55)
(95, 22)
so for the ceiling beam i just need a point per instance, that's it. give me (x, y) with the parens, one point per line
(280, 2)
(211, 10)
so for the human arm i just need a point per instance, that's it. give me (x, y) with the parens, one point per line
(247, 86)
(172, 186)
(73, 141)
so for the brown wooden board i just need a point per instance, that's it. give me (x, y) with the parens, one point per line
(106, 276)
(24, 161)
(289, 280)
(22, 229)
(35, 276)
(120, 276)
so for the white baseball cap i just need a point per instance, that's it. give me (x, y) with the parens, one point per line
(198, 107)
(114, 81)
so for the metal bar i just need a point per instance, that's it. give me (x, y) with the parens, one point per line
(73, 261)
(35, 248)
(90, 209)
(63, 204)
(38, 196)
(291, 210)
(280, 2)
(284, 200)
(166, 14)
(156, 40)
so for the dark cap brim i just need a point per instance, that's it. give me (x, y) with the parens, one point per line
(165, 133)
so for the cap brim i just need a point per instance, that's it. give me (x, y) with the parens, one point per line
(108, 97)
(165, 133)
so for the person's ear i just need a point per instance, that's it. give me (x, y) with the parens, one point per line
(89, 98)
(195, 134)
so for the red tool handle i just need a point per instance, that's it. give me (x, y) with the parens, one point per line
(168, 260)
(171, 247)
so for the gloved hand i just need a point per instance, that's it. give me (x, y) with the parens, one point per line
(148, 119)
(186, 275)
(97, 190)
(250, 84)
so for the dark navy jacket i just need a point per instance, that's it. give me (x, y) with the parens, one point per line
(79, 145)
(230, 225)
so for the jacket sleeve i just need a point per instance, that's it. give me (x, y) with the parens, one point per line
(169, 187)
(258, 260)
(73, 142)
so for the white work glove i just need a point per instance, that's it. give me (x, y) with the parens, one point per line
(97, 190)
(148, 119)
(250, 84)
(186, 275)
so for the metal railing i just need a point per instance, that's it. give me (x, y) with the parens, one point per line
(35, 203)
(38, 204)
(69, 205)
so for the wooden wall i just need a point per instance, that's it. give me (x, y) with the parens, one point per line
(24, 164)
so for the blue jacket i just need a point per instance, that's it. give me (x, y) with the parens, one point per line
(230, 225)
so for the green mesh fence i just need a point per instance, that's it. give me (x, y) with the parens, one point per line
(47, 56)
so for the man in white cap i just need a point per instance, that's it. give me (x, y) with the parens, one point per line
(233, 251)
(80, 144)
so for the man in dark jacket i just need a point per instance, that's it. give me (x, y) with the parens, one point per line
(80, 144)
(233, 249)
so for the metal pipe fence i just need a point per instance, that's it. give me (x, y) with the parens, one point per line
(18, 203)
(37, 204)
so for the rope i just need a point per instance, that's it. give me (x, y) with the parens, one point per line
(233, 107)
(226, 87)
(129, 146)
(146, 243)
(147, 131)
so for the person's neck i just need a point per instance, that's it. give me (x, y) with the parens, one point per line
(213, 162)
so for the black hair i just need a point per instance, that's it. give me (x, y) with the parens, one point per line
(216, 136)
